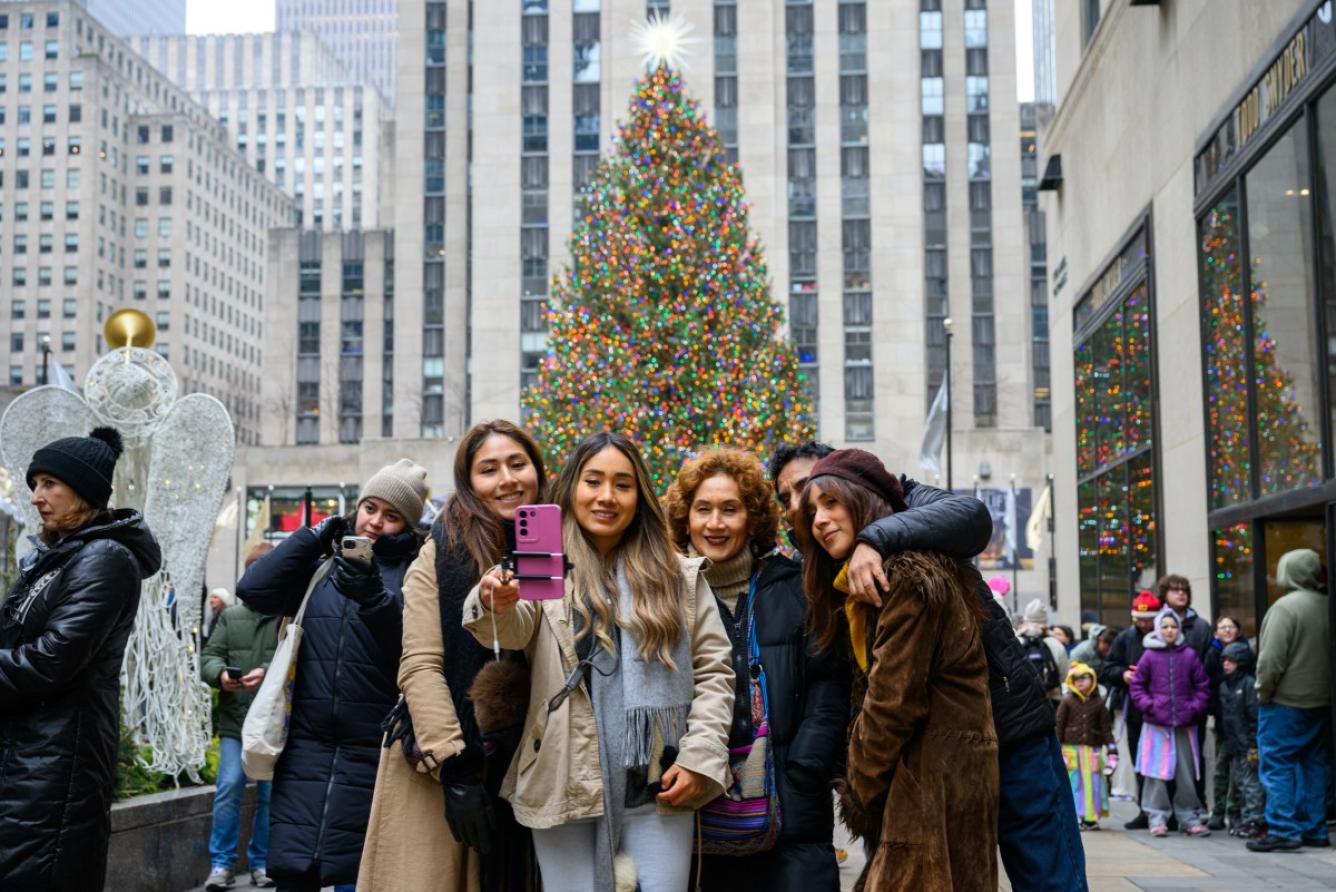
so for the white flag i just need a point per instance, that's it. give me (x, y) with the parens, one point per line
(1009, 518)
(1038, 525)
(58, 377)
(934, 432)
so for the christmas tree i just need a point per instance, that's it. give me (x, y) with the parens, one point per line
(662, 325)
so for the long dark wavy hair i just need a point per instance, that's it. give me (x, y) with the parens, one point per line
(819, 568)
(467, 519)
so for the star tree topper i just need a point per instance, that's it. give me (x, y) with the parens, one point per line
(664, 40)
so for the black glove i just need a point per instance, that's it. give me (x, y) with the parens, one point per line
(329, 531)
(357, 580)
(468, 811)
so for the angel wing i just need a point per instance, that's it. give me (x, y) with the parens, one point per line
(34, 419)
(189, 466)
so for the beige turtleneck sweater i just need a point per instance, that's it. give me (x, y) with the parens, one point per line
(729, 579)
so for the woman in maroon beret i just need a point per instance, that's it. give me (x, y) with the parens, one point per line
(921, 783)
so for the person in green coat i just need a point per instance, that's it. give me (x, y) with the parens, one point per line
(234, 660)
(1294, 696)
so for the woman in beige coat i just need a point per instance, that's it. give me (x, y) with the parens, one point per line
(632, 687)
(436, 823)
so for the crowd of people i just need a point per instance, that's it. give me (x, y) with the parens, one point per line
(689, 713)
(1159, 681)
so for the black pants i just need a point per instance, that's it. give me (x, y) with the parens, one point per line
(308, 882)
(788, 867)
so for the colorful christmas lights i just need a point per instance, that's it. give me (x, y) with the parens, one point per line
(662, 327)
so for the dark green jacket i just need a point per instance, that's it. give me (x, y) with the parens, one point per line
(245, 639)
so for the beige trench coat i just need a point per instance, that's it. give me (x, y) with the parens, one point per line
(555, 777)
(409, 847)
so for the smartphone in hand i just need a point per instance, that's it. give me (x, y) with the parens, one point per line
(233, 672)
(357, 548)
(540, 563)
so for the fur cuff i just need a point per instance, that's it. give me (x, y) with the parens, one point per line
(500, 695)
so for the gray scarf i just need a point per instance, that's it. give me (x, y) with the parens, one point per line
(641, 711)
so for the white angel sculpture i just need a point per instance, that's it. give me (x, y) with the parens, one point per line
(175, 468)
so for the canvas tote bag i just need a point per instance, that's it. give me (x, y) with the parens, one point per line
(265, 730)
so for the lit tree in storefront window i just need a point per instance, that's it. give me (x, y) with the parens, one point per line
(1287, 442)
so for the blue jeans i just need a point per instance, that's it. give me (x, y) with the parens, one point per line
(226, 831)
(1292, 751)
(1036, 819)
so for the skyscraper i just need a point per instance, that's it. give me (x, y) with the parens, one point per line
(293, 111)
(119, 191)
(123, 17)
(362, 33)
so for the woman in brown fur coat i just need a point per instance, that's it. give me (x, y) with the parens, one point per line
(921, 782)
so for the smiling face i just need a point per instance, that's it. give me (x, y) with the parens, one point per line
(376, 518)
(606, 498)
(789, 488)
(1226, 630)
(717, 521)
(1168, 630)
(56, 503)
(832, 524)
(503, 476)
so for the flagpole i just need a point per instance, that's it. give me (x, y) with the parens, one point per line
(1016, 548)
(946, 327)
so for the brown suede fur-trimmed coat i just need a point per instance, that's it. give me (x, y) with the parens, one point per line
(921, 782)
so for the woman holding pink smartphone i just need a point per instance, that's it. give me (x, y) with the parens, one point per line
(453, 757)
(631, 692)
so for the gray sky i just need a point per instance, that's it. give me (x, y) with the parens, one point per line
(239, 16)
(229, 16)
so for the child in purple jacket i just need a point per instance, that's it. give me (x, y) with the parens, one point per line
(1172, 690)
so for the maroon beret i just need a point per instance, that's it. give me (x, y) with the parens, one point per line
(861, 467)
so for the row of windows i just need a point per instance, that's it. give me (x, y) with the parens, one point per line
(50, 82)
(26, 53)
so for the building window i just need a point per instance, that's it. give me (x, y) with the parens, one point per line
(1089, 19)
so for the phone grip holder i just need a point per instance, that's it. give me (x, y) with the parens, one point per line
(510, 563)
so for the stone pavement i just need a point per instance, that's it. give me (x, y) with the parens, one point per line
(1121, 861)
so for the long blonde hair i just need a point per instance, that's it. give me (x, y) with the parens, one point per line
(652, 568)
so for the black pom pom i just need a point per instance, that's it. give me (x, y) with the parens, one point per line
(111, 437)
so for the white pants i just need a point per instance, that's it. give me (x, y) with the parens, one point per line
(660, 845)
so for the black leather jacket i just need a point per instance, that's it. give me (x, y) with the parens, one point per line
(961, 527)
(63, 631)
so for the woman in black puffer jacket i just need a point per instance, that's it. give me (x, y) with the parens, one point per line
(721, 507)
(345, 683)
(63, 631)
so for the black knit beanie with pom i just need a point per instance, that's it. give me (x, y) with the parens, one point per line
(84, 464)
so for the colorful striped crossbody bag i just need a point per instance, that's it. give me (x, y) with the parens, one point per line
(746, 818)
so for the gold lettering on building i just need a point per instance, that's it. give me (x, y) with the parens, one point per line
(1285, 73)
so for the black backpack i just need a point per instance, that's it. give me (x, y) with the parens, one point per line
(1039, 655)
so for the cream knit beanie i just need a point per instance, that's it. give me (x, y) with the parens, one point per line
(402, 484)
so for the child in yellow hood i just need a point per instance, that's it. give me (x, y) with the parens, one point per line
(1085, 729)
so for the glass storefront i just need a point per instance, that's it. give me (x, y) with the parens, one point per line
(1267, 280)
(1116, 500)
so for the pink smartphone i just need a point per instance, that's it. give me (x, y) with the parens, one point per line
(540, 564)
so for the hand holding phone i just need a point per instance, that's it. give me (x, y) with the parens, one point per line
(230, 680)
(500, 592)
(540, 562)
(356, 548)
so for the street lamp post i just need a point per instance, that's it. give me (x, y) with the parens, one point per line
(946, 327)
(45, 342)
